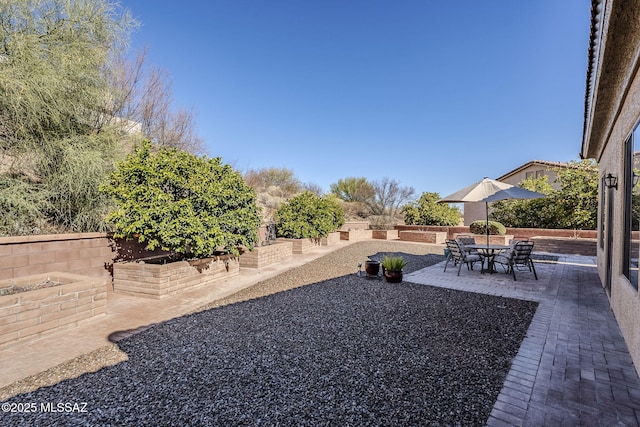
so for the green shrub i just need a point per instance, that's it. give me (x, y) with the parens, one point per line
(182, 203)
(480, 227)
(309, 216)
(427, 211)
(393, 263)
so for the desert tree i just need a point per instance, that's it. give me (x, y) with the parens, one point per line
(353, 189)
(143, 95)
(54, 147)
(69, 106)
(388, 196)
(427, 211)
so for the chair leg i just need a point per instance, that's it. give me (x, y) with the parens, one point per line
(447, 263)
(534, 269)
(460, 267)
(513, 271)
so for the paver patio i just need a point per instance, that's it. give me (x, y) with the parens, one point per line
(573, 368)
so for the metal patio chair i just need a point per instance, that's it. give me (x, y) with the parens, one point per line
(459, 256)
(517, 258)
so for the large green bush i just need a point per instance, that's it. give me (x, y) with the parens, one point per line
(183, 203)
(309, 216)
(574, 205)
(427, 211)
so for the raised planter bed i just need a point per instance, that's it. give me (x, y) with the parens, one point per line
(356, 235)
(301, 246)
(31, 305)
(331, 239)
(435, 237)
(385, 234)
(160, 280)
(262, 256)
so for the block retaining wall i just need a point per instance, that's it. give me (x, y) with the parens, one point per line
(30, 313)
(301, 246)
(331, 239)
(87, 254)
(436, 237)
(384, 234)
(356, 235)
(493, 239)
(355, 225)
(158, 281)
(262, 256)
(587, 247)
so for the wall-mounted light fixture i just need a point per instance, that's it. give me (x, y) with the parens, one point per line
(611, 181)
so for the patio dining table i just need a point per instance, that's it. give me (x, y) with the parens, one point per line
(489, 253)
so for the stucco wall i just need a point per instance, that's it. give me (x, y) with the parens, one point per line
(613, 114)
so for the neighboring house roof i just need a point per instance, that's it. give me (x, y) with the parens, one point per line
(592, 62)
(527, 165)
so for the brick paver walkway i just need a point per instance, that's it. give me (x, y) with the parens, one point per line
(573, 368)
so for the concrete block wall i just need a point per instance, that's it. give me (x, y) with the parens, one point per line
(493, 239)
(159, 281)
(262, 256)
(519, 233)
(587, 247)
(384, 234)
(355, 225)
(30, 313)
(331, 239)
(436, 237)
(356, 235)
(301, 246)
(88, 254)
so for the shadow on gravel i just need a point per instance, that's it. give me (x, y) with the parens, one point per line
(345, 351)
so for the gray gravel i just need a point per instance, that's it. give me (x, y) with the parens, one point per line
(344, 350)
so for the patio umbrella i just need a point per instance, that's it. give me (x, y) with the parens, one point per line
(490, 190)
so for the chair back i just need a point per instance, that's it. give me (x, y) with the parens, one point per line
(522, 252)
(467, 240)
(454, 248)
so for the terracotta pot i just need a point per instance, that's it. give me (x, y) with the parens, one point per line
(372, 267)
(393, 276)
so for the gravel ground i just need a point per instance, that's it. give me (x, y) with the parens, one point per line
(345, 350)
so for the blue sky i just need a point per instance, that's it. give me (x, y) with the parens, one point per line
(433, 94)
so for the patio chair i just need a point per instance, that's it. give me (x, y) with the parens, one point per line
(517, 258)
(463, 241)
(459, 256)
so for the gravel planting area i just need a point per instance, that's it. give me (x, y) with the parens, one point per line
(344, 350)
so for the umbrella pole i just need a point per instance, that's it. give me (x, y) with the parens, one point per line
(486, 204)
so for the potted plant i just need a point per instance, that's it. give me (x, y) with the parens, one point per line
(372, 267)
(392, 267)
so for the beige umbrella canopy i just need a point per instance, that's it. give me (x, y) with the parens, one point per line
(490, 190)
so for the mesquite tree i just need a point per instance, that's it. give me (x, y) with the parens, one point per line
(70, 108)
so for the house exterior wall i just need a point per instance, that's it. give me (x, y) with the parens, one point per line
(612, 111)
(474, 211)
(533, 170)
